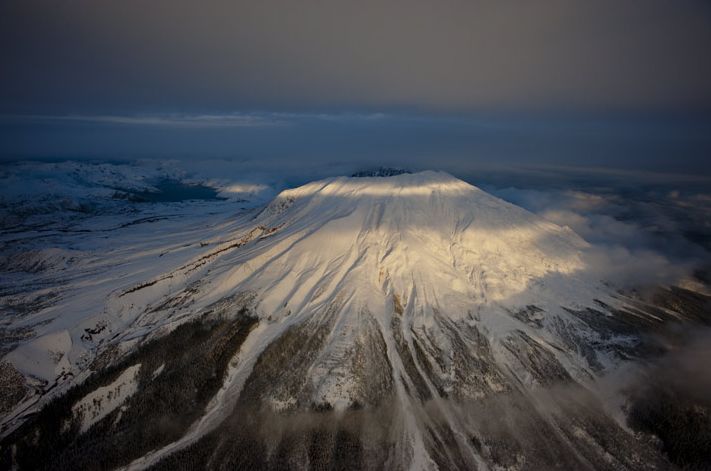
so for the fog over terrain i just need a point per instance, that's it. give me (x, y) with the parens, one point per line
(641, 142)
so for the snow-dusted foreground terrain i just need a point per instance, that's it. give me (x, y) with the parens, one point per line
(408, 321)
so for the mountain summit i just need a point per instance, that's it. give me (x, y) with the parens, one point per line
(428, 239)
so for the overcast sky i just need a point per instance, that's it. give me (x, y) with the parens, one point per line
(608, 82)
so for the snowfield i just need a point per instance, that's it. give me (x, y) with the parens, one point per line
(104, 400)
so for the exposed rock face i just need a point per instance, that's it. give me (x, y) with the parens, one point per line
(380, 172)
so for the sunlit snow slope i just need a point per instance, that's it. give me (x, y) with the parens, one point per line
(430, 239)
(412, 318)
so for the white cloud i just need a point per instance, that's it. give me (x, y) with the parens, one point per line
(633, 241)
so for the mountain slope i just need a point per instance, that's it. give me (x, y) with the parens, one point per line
(412, 321)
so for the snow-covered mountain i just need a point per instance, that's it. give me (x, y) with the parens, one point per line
(408, 321)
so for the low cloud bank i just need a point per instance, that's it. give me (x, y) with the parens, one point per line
(636, 238)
